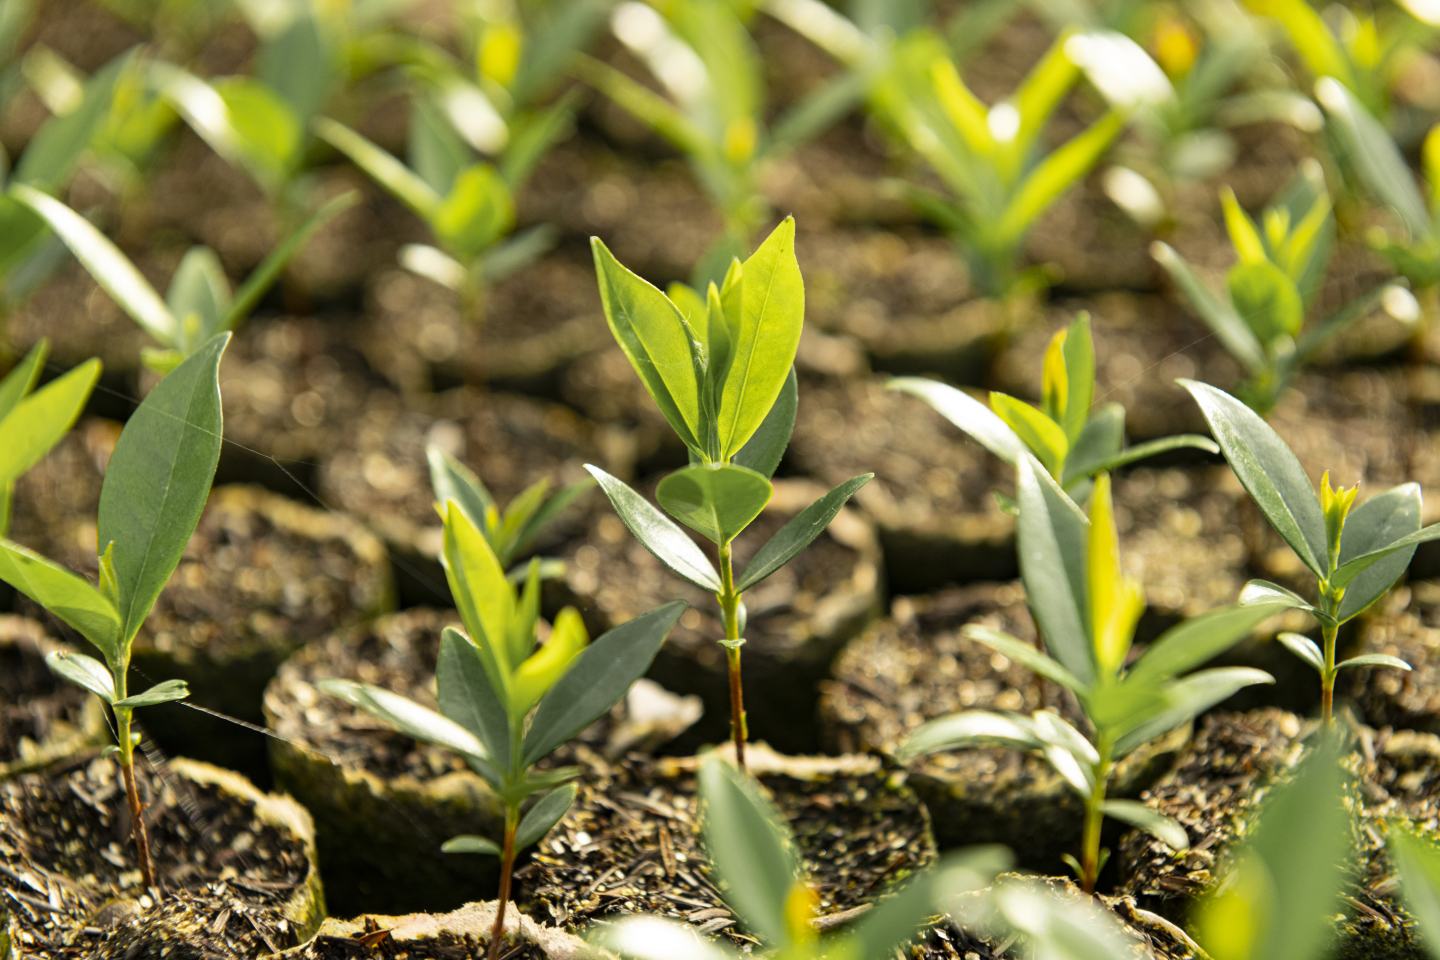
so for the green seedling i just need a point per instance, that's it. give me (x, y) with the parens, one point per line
(1279, 894)
(507, 701)
(721, 370)
(1073, 439)
(1087, 610)
(1355, 553)
(512, 531)
(712, 107)
(154, 491)
(1417, 865)
(997, 175)
(1272, 287)
(32, 421)
(763, 881)
(198, 303)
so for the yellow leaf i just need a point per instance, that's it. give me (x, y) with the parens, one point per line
(546, 666)
(482, 594)
(1116, 601)
(1055, 380)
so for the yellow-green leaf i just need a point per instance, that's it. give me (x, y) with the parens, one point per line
(1116, 601)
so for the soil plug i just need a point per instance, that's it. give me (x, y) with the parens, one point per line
(1356, 554)
(720, 367)
(507, 700)
(1086, 610)
(154, 490)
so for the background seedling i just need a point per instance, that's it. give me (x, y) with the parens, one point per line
(761, 877)
(721, 371)
(1355, 553)
(198, 304)
(154, 491)
(1070, 437)
(1280, 263)
(506, 700)
(1086, 611)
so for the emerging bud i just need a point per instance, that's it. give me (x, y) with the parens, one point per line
(1335, 505)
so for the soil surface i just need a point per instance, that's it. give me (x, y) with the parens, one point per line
(1404, 624)
(38, 710)
(631, 844)
(70, 880)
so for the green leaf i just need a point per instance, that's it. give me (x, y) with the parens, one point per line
(1268, 470)
(1184, 700)
(715, 500)
(83, 671)
(1376, 523)
(22, 377)
(798, 533)
(530, 530)
(37, 422)
(763, 452)
(657, 533)
(399, 180)
(1078, 353)
(1263, 592)
(1232, 331)
(653, 335)
(198, 296)
(1042, 436)
(893, 920)
(1051, 543)
(166, 691)
(57, 147)
(1351, 569)
(1052, 177)
(1417, 865)
(451, 480)
(1374, 660)
(1194, 642)
(772, 313)
(1159, 826)
(970, 728)
(545, 814)
(481, 592)
(159, 478)
(475, 213)
(111, 269)
(472, 693)
(69, 597)
(600, 676)
(261, 132)
(1267, 300)
(407, 716)
(967, 413)
(750, 850)
(1083, 465)
(1024, 654)
(470, 843)
(1369, 149)
(1304, 648)
(641, 937)
(299, 64)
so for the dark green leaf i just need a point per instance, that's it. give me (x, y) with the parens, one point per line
(1081, 464)
(407, 716)
(657, 533)
(1351, 569)
(715, 500)
(545, 814)
(1377, 523)
(599, 677)
(159, 478)
(765, 449)
(798, 533)
(83, 671)
(469, 697)
(1052, 536)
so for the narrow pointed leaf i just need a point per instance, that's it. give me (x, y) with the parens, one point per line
(402, 182)
(1078, 468)
(83, 671)
(39, 421)
(658, 533)
(470, 843)
(1042, 436)
(1052, 177)
(1196, 641)
(1351, 569)
(750, 849)
(264, 276)
(1368, 147)
(73, 599)
(452, 480)
(1265, 592)
(969, 729)
(1374, 660)
(1052, 537)
(1227, 325)
(1304, 648)
(478, 585)
(545, 814)
(1024, 654)
(469, 696)
(407, 716)
(166, 691)
(967, 413)
(798, 533)
(1185, 699)
(717, 501)
(22, 377)
(1159, 826)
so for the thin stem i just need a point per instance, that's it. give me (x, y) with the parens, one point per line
(507, 867)
(1094, 820)
(138, 832)
(1327, 676)
(730, 613)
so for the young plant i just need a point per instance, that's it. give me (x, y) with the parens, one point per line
(510, 531)
(197, 305)
(991, 160)
(763, 881)
(1354, 553)
(507, 701)
(712, 107)
(33, 421)
(154, 491)
(1074, 440)
(1086, 610)
(720, 369)
(1273, 285)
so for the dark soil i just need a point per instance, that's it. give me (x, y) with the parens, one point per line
(69, 877)
(445, 946)
(39, 712)
(1402, 625)
(631, 844)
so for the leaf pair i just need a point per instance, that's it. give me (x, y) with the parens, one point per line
(754, 859)
(198, 304)
(1071, 441)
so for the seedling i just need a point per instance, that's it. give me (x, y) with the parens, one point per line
(1280, 263)
(1074, 440)
(154, 491)
(720, 369)
(763, 881)
(713, 108)
(1086, 610)
(998, 178)
(1355, 553)
(33, 421)
(512, 531)
(198, 304)
(507, 701)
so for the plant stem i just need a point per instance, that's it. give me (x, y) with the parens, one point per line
(138, 832)
(507, 867)
(1094, 820)
(730, 613)
(1327, 676)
